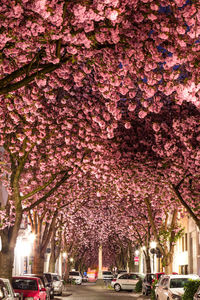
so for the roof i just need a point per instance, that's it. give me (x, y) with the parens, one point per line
(25, 277)
(191, 276)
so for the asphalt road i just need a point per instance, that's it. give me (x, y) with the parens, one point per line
(92, 292)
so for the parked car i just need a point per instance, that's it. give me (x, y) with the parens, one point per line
(30, 288)
(84, 278)
(172, 286)
(49, 278)
(121, 272)
(107, 275)
(148, 282)
(6, 290)
(57, 284)
(197, 294)
(126, 281)
(76, 276)
(47, 285)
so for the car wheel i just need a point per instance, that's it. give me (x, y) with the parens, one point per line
(117, 287)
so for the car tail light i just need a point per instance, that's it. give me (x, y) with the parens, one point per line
(114, 279)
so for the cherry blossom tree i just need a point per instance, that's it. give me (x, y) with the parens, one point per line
(105, 87)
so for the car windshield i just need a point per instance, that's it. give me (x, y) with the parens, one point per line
(48, 277)
(107, 273)
(56, 278)
(74, 273)
(9, 288)
(178, 282)
(25, 284)
(150, 277)
(159, 275)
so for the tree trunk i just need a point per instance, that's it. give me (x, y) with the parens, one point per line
(168, 268)
(6, 257)
(52, 262)
(148, 263)
(38, 263)
(8, 240)
(167, 262)
(67, 269)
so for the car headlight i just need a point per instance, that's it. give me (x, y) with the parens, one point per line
(176, 297)
(29, 298)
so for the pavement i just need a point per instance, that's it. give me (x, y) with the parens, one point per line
(90, 291)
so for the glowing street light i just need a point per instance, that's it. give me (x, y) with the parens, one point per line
(31, 237)
(137, 252)
(23, 247)
(153, 244)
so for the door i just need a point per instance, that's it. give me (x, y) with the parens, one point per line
(132, 281)
(123, 281)
(162, 289)
(43, 294)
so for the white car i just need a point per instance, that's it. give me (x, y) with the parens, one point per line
(107, 275)
(57, 284)
(126, 281)
(172, 286)
(76, 276)
(197, 294)
(6, 290)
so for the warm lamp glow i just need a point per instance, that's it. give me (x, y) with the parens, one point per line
(137, 252)
(22, 248)
(31, 237)
(71, 259)
(153, 244)
(64, 254)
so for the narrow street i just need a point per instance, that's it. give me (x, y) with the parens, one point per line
(92, 292)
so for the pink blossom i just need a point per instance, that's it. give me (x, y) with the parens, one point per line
(142, 114)
(156, 127)
(127, 125)
(112, 14)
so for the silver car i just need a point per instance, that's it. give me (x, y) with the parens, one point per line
(107, 275)
(75, 276)
(126, 281)
(171, 287)
(197, 294)
(6, 290)
(57, 284)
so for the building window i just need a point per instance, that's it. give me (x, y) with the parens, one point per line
(183, 244)
(183, 269)
(186, 242)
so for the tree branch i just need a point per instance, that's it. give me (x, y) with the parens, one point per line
(49, 193)
(17, 85)
(40, 188)
(188, 208)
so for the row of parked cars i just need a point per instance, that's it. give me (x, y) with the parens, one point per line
(31, 287)
(126, 281)
(168, 287)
